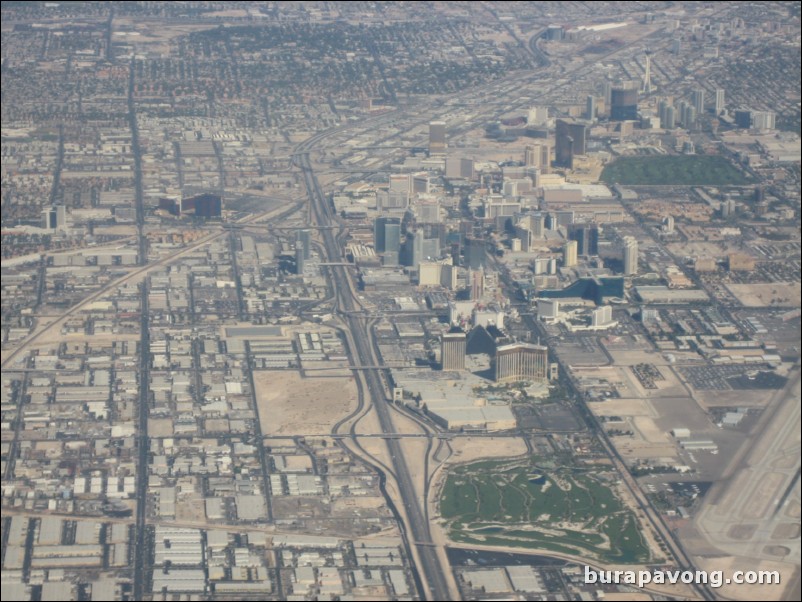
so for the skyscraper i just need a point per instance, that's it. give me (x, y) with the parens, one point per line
(671, 119)
(474, 253)
(624, 104)
(590, 108)
(387, 234)
(300, 259)
(452, 350)
(54, 218)
(763, 120)
(520, 361)
(303, 238)
(537, 116)
(719, 101)
(630, 256)
(570, 139)
(587, 238)
(437, 137)
(569, 253)
(698, 101)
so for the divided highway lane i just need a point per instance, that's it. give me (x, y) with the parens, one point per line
(418, 528)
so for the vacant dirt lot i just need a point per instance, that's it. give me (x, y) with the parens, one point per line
(292, 405)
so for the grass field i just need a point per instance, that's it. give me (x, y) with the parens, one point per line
(684, 170)
(517, 504)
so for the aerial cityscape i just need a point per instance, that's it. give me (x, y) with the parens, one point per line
(401, 300)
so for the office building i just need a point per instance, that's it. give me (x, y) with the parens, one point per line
(630, 256)
(452, 350)
(520, 361)
(624, 104)
(437, 137)
(569, 254)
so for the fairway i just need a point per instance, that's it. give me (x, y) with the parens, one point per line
(664, 170)
(516, 504)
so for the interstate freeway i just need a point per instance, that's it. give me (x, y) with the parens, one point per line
(417, 528)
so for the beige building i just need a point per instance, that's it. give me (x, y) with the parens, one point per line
(521, 361)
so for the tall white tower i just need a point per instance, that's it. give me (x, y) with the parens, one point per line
(646, 87)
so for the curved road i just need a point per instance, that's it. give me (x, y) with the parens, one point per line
(418, 533)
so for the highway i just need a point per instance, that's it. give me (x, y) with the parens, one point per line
(418, 533)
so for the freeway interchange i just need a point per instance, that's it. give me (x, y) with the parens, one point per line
(417, 533)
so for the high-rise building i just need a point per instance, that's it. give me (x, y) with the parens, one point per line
(303, 238)
(521, 361)
(669, 224)
(459, 167)
(590, 108)
(624, 104)
(671, 119)
(538, 224)
(452, 350)
(587, 238)
(474, 253)
(570, 140)
(537, 116)
(763, 120)
(698, 101)
(689, 116)
(477, 279)
(569, 253)
(437, 137)
(548, 309)
(423, 248)
(602, 315)
(419, 183)
(719, 101)
(743, 119)
(531, 159)
(387, 234)
(54, 218)
(646, 85)
(300, 259)
(448, 276)
(630, 256)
